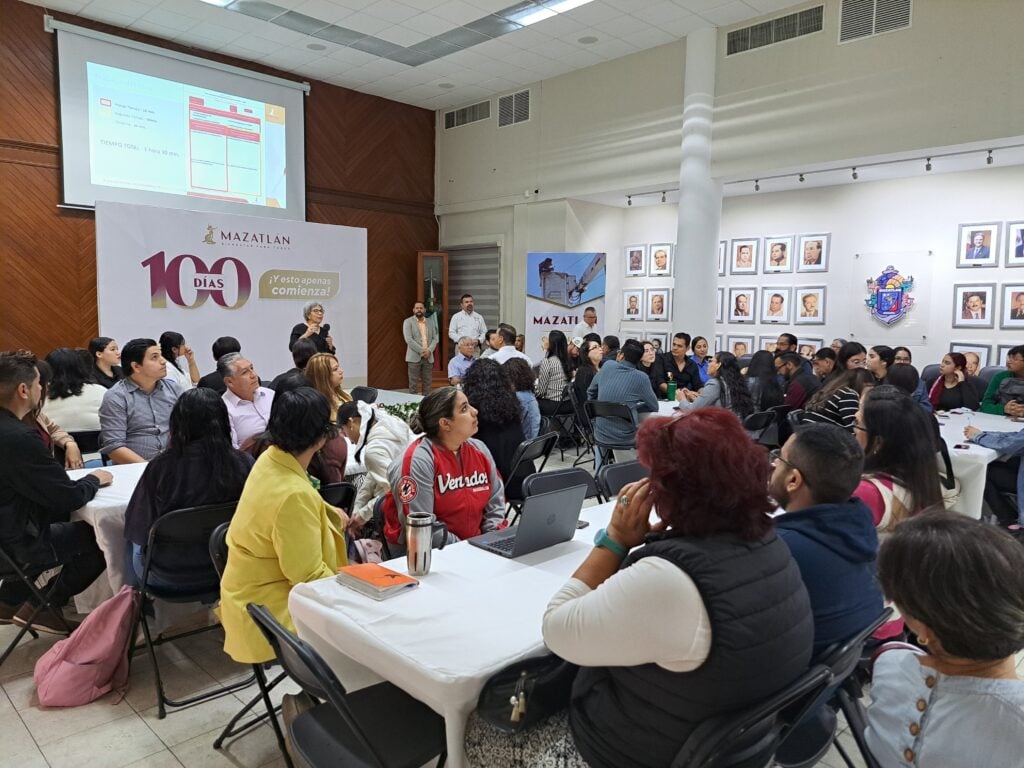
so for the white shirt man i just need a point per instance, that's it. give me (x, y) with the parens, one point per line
(589, 324)
(507, 347)
(467, 323)
(248, 403)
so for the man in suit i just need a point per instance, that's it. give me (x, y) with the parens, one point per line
(1017, 313)
(978, 249)
(974, 307)
(420, 342)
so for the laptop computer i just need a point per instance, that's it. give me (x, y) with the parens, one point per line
(547, 519)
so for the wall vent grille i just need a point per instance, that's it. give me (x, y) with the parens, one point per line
(474, 113)
(866, 18)
(513, 109)
(778, 30)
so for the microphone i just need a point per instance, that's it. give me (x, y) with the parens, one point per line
(325, 329)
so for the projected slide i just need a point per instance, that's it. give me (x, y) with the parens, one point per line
(157, 135)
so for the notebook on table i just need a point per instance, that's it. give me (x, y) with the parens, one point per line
(546, 519)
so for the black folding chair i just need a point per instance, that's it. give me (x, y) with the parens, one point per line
(749, 739)
(616, 413)
(379, 726)
(583, 427)
(219, 556)
(537, 449)
(761, 428)
(612, 477)
(340, 495)
(89, 442)
(796, 418)
(782, 422)
(27, 575)
(563, 421)
(560, 479)
(170, 535)
(365, 394)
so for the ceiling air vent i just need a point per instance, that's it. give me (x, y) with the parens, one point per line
(474, 113)
(776, 30)
(865, 18)
(514, 108)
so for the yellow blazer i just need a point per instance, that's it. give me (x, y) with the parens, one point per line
(282, 534)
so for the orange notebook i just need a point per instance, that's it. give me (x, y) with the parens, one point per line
(375, 580)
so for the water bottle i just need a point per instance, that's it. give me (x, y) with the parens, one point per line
(419, 539)
(670, 394)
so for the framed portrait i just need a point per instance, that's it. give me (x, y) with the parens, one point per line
(719, 341)
(767, 343)
(969, 348)
(635, 258)
(1014, 244)
(744, 256)
(723, 250)
(808, 346)
(810, 305)
(1012, 305)
(775, 305)
(739, 345)
(1002, 351)
(658, 338)
(813, 252)
(720, 306)
(778, 254)
(742, 305)
(633, 305)
(659, 303)
(974, 305)
(660, 263)
(978, 246)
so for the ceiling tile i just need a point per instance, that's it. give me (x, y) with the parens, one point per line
(391, 10)
(525, 38)
(291, 58)
(166, 18)
(257, 9)
(286, 35)
(323, 10)
(490, 6)
(127, 8)
(493, 26)
(192, 8)
(67, 6)
(428, 24)
(622, 26)
(563, 24)
(497, 49)
(323, 68)
(591, 13)
(341, 36)
(410, 77)
(661, 13)
(611, 48)
(362, 22)
(108, 16)
(699, 6)
(457, 12)
(770, 6)
(382, 68)
(649, 38)
(300, 23)
(629, 6)
(403, 36)
(156, 30)
(212, 33)
(684, 25)
(731, 13)
(351, 57)
(421, 5)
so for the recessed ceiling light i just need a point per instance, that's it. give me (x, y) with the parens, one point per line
(589, 39)
(316, 47)
(446, 86)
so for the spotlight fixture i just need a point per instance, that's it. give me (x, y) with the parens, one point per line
(757, 185)
(801, 178)
(988, 160)
(663, 194)
(928, 164)
(854, 170)
(629, 199)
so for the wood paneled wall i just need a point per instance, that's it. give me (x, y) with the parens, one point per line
(369, 163)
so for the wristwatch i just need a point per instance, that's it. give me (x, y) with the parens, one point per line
(602, 539)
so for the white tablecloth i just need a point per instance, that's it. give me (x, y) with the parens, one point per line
(396, 397)
(474, 614)
(105, 513)
(969, 463)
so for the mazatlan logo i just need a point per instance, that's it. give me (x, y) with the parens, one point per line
(250, 239)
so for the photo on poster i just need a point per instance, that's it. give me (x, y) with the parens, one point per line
(633, 305)
(559, 287)
(744, 256)
(659, 304)
(742, 305)
(808, 346)
(981, 351)
(813, 253)
(978, 246)
(775, 305)
(778, 254)
(658, 338)
(974, 306)
(720, 306)
(661, 260)
(767, 343)
(739, 345)
(635, 258)
(723, 250)
(810, 305)
(1013, 306)
(1002, 352)
(1014, 244)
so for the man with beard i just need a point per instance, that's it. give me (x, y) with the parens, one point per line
(420, 342)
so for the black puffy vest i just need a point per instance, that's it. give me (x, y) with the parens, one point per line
(762, 631)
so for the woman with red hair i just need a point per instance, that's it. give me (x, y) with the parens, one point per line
(952, 390)
(704, 617)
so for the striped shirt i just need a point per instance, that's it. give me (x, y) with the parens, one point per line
(550, 379)
(840, 408)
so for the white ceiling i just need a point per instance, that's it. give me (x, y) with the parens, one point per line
(495, 66)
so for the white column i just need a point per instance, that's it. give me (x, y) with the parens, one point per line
(700, 196)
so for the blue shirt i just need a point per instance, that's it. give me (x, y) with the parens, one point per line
(458, 366)
(531, 414)
(131, 418)
(621, 382)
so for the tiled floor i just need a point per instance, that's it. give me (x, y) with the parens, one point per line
(127, 734)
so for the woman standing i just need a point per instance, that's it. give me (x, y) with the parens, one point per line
(879, 358)
(175, 351)
(106, 358)
(554, 373)
(701, 358)
(725, 388)
(73, 401)
(313, 329)
(952, 390)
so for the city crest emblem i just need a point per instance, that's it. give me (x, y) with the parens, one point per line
(888, 298)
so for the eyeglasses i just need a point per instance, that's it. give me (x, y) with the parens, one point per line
(776, 456)
(861, 428)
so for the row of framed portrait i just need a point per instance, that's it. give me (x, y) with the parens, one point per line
(983, 351)
(744, 345)
(782, 253)
(648, 304)
(803, 305)
(974, 305)
(978, 245)
(654, 260)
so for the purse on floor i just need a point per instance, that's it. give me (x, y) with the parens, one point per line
(526, 692)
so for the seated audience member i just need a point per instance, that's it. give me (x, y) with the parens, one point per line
(521, 377)
(463, 359)
(879, 359)
(831, 535)
(838, 399)
(55, 438)
(823, 363)
(302, 350)
(837, 344)
(500, 418)
(575, 343)
(714, 641)
(725, 388)
(106, 370)
(453, 472)
(650, 365)
(492, 343)
(591, 356)
(679, 367)
(619, 381)
(136, 411)
(701, 358)
(72, 400)
(610, 348)
(1003, 477)
(800, 384)
(36, 502)
(901, 475)
(1005, 393)
(902, 356)
(850, 355)
(960, 587)
(763, 381)
(199, 467)
(952, 390)
(325, 375)
(283, 532)
(182, 368)
(313, 328)
(787, 342)
(378, 439)
(903, 375)
(554, 373)
(248, 403)
(506, 349)
(225, 345)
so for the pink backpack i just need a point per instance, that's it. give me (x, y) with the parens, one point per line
(94, 659)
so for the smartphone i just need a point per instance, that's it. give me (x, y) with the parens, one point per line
(961, 447)
(581, 524)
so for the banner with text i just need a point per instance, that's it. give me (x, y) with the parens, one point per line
(558, 287)
(208, 275)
